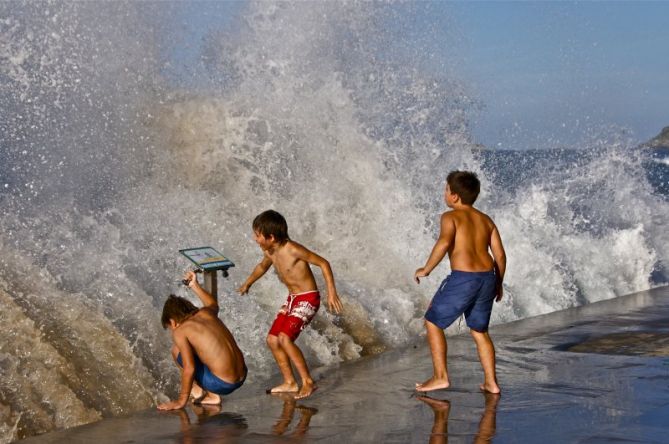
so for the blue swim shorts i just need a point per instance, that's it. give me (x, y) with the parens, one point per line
(471, 293)
(210, 382)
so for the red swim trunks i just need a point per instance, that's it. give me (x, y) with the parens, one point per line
(296, 313)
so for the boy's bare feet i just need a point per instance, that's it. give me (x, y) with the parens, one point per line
(286, 387)
(433, 384)
(493, 388)
(197, 393)
(307, 389)
(211, 399)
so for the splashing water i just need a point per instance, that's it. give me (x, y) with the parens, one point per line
(109, 166)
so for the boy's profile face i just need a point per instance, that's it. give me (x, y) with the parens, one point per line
(262, 241)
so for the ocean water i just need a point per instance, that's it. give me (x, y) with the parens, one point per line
(112, 159)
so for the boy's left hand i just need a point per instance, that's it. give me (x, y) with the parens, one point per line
(334, 303)
(499, 292)
(171, 405)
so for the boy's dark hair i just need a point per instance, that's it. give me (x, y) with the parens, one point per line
(177, 308)
(271, 223)
(465, 184)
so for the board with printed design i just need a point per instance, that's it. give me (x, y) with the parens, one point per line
(207, 258)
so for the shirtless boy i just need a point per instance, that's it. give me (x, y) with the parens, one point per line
(210, 360)
(291, 262)
(475, 281)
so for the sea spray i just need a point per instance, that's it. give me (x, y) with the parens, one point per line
(318, 110)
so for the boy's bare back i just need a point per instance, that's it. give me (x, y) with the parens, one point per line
(213, 343)
(470, 233)
(467, 235)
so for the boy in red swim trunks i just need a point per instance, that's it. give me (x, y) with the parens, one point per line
(291, 262)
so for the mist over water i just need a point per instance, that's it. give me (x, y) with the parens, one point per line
(320, 111)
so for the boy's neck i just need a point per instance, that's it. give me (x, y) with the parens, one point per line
(461, 206)
(275, 247)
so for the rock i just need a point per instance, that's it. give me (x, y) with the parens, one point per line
(659, 141)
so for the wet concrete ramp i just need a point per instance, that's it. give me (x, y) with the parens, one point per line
(593, 374)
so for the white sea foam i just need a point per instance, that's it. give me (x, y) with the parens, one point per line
(313, 109)
(662, 161)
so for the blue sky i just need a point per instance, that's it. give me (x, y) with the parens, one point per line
(548, 74)
(558, 73)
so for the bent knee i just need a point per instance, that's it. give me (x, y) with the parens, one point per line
(272, 341)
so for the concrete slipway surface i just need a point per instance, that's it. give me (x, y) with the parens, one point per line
(593, 374)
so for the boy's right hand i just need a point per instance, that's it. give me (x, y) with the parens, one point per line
(419, 274)
(190, 279)
(243, 289)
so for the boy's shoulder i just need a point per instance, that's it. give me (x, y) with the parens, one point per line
(202, 316)
(484, 215)
(457, 214)
(293, 247)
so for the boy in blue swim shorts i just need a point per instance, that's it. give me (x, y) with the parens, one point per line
(211, 363)
(469, 237)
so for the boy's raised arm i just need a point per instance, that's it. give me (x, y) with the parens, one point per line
(334, 303)
(446, 236)
(256, 274)
(499, 256)
(208, 301)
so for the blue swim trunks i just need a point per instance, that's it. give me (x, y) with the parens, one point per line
(210, 382)
(471, 293)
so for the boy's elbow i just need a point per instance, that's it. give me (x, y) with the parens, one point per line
(501, 259)
(320, 262)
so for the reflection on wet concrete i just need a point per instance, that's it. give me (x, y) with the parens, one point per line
(488, 424)
(549, 394)
(442, 407)
(287, 414)
(212, 425)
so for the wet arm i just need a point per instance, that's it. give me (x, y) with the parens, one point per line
(256, 274)
(499, 256)
(312, 258)
(208, 301)
(441, 247)
(187, 374)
